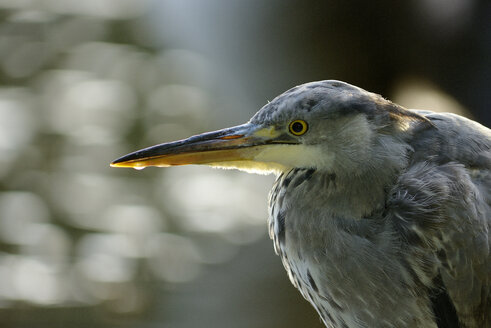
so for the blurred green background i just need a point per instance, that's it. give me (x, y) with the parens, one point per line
(83, 82)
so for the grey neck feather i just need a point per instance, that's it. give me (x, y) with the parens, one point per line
(356, 191)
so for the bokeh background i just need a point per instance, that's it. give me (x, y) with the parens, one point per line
(83, 82)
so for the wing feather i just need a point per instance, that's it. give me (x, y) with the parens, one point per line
(441, 209)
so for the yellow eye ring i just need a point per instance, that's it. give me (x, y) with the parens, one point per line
(298, 127)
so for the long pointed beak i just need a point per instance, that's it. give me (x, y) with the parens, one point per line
(239, 143)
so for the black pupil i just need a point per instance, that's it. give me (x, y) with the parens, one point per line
(297, 127)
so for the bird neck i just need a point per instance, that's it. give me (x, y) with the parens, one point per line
(362, 182)
(355, 196)
(351, 190)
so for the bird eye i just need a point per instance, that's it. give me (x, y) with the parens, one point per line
(298, 127)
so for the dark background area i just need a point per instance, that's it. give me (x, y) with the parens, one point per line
(83, 82)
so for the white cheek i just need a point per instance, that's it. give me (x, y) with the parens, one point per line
(296, 156)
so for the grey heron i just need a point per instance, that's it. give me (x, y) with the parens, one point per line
(381, 215)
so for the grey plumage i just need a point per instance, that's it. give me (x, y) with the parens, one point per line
(381, 215)
(374, 243)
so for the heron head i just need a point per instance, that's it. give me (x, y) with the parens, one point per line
(322, 125)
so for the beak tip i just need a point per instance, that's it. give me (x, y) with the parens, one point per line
(120, 162)
(117, 164)
(127, 165)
